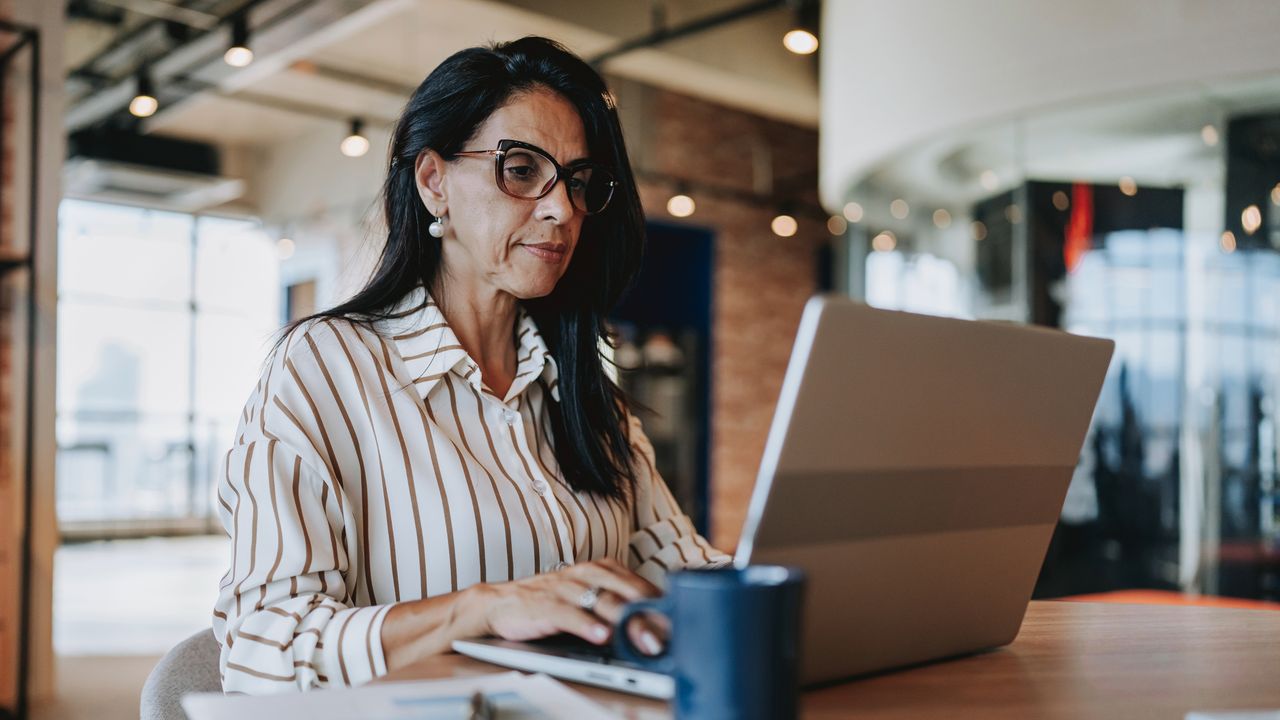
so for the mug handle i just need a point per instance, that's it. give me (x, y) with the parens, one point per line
(622, 642)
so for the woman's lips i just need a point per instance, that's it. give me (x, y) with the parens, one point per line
(548, 252)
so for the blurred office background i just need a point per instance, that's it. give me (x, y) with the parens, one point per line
(204, 170)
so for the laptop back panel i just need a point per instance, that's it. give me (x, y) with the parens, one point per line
(916, 468)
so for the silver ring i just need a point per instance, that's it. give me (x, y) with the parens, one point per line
(588, 599)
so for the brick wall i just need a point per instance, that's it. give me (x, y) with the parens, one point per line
(761, 281)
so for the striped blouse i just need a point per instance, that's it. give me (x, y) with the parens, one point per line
(371, 468)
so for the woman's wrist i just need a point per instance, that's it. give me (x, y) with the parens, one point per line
(422, 628)
(477, 604)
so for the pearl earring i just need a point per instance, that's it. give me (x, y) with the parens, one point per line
(436, 228)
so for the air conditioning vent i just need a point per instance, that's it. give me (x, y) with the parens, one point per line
(122, 166)
(115, 181)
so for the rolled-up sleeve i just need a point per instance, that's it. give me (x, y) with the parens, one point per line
(285, 615)
(663, 538)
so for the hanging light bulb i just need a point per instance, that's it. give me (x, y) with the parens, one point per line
(800, 41)
(802, 37)
(144, 103)
(784, 225)
(238, 54)
(355, 144)
(681, 205)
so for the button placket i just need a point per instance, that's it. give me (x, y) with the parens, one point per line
(540, 484)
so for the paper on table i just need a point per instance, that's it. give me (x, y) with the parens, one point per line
(516, 697)
(1234, 715)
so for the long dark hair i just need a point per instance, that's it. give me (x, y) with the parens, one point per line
(589, 430)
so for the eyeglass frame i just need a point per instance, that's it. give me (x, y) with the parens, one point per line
(563, 172)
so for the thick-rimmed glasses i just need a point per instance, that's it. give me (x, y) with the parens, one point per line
(528, 172)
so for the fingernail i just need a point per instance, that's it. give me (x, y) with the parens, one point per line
(650, 643)
(599, 632)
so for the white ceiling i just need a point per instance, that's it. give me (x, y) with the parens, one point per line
(1154, 138)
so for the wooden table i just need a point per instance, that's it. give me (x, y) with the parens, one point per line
(1071, 660)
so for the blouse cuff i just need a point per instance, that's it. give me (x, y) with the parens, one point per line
(353, 645)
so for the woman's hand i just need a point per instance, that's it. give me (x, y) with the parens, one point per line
(547, 604)
(524, 609)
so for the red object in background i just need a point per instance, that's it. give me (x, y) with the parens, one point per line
(1079, 225)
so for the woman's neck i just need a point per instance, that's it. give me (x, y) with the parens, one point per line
(483, 319)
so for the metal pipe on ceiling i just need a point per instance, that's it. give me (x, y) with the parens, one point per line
(661, 34)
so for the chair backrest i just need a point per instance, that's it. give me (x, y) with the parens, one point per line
(191, 666)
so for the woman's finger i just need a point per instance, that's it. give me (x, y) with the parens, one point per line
(645, 635)
(576, 621)
(608, 604)
(615, 579)
(646, 588)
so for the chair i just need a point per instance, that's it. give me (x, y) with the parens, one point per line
(191, 666)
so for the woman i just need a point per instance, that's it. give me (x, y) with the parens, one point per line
(443, 455)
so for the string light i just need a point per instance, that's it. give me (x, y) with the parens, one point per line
(1251, 219)
(884, 242)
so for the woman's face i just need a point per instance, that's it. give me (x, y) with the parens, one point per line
(501, 243)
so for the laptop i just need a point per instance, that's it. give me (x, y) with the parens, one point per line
(915, 469)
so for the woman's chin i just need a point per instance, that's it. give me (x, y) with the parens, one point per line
(530, 288)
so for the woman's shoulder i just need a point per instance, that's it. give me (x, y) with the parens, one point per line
(323, 349)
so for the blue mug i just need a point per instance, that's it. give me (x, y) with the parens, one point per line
(734, 645)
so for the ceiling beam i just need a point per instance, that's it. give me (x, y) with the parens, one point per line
(164, 11)
(284, 30)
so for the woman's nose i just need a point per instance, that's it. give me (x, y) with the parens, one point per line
(556, 205)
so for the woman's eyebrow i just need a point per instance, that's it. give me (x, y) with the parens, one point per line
(570, 162)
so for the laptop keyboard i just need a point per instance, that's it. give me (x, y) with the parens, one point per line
(574, 647)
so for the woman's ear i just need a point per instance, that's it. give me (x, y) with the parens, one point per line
(428, 175)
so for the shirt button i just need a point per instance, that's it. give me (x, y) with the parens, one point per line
(509, 417)
(539, 487)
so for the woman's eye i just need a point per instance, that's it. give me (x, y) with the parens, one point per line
(521, 172)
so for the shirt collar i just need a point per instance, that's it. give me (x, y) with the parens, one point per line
(430, 350)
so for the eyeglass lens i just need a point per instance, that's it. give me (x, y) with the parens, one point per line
(529, 174)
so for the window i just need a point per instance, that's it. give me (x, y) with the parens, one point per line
(163, 322)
